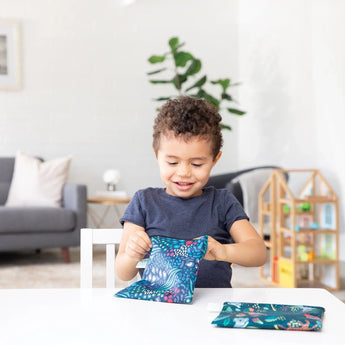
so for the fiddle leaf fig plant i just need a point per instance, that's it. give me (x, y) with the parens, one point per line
(182, 70)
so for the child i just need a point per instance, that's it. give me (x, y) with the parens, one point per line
(186, 141)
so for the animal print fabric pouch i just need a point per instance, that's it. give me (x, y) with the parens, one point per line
(170, 272)
(271, 316)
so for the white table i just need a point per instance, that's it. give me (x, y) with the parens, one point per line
(94, 316)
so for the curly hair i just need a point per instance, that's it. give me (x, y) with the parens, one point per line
(188, 117)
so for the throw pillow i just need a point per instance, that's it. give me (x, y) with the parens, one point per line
(37, 183)
(251, 183)
(171, 271)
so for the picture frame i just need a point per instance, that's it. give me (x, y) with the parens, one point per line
(10, 55)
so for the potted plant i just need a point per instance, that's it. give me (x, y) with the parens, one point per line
(183, 72)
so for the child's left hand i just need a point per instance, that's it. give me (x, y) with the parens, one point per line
(215, 250)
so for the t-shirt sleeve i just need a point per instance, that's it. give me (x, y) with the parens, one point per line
(233, 210)
(134, 212)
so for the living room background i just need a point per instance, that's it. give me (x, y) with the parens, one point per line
(85, 90)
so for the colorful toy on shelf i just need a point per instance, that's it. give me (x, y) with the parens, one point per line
(302, 254)
(275, 271)
(286, 275)
(304, 220)
(314, 225)
(311, 256)
(293, 220)
(304, 207)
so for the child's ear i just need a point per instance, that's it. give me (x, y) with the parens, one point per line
(155, 153)
(217, 158)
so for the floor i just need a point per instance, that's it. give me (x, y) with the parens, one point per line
(47, 270)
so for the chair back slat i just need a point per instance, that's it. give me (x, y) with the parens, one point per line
(90, 237)
(104, 236)
(110, 266)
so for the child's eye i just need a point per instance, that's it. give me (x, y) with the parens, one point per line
(172, 163)
(196, 165)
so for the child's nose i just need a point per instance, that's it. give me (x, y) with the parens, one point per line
(184, 170)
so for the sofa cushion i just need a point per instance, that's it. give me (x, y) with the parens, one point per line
(236, 189)
(4, 187)
(35, 219)
(251, 183)
(6, 172)
(37, 183)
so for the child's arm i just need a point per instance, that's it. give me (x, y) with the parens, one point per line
(135, 243)
(248, 250)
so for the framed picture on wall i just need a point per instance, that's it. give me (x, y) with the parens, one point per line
(10, 55)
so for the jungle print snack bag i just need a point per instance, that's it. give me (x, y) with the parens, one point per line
(171, 271)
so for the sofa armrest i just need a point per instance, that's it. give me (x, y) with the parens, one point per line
(220, 181)
(225, 181)
(74, 197)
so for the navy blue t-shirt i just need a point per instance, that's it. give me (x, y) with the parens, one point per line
(211, 213)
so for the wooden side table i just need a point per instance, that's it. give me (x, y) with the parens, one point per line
(108, 204)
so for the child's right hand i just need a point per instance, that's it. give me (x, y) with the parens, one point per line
(138, 245)
(135, 243)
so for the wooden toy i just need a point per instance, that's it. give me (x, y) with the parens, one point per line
(286, 274)
(304, 229)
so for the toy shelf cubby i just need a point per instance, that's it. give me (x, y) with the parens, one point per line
(304, 230)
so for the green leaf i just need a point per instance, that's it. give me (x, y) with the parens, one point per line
(203, 94)
(156, 58)
(224, 83)
(178, 80)
(227, 127)
(179, 46)
(173, 43)
(183, 78)
(199, 83)
(156, 71)
(160, 81)
(181, 58)
(235, 84)
(163, 98)
(194, 67)
(226, 96)
(236, 111)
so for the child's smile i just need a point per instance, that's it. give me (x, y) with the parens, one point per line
(185, 166)
(184, 186)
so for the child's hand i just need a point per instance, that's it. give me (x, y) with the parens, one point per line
(138, 245)
(215, 250)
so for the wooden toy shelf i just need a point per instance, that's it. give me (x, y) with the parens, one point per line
(304, 230)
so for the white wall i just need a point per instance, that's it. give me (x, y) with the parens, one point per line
(291, 57)
(85, 90)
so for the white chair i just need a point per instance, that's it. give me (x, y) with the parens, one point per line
(90, 237)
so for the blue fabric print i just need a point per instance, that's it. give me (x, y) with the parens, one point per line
(271, 316)
(171, 271)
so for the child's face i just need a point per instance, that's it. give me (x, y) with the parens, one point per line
(185, 166)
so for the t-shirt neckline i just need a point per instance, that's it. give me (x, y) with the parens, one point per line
(205, 190)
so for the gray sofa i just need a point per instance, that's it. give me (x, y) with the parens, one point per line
(226, 180)
(229, 181)
(35, 228)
